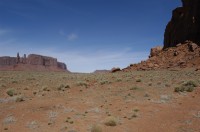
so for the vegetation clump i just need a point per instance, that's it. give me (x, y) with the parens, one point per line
(111, 121)
(188, 87)
(82, 84)
(96, 128)
(11, 92)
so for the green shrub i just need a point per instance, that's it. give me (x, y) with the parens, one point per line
(82, 84)
(188, 87)
(119, 80)
(138, 80)
(104, 82)
(134, 88)
(190, 83)
(11, 92)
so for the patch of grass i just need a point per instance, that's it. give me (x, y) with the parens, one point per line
(111, 121)
(134, 115)
(104, 82)
(62, 87)
(190, 83)
(52, 114)
(136, 110)
(96, 128)
(119, 80)
(14, 81)
(32, 125)
(138, 80)
(150, 84)
(134, 88)
(82, 84)
(71, 122)
(30, 78)
(188, 87)
(19, 99)
(9, 120)
(11, 92)
(34, 92)
(2, 85)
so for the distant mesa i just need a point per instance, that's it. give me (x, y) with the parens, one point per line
(184, 24)
(101, 71)
(33, 62)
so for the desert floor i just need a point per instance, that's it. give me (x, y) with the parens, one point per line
(138, 101)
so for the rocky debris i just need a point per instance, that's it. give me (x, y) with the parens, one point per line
(155, 51)
(115, 69)
(32, 62)
(184, 24)
(186, 55)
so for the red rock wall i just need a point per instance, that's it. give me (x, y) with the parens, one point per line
(184, 25)
(6, 60)
(32, 62)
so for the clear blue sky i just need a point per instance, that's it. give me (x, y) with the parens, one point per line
(85, 34)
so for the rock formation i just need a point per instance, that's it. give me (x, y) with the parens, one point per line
(184, 24)
(32, 62)
(115, 69)
(185, 55)
(155, 51)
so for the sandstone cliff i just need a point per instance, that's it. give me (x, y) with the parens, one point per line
(33, 62)
(184, 24)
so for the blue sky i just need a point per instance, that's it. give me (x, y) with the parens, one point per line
(85, 34)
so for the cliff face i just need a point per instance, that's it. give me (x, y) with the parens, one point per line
(184, 25)
(32, 62)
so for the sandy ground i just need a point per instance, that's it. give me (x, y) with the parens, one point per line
(138, 101)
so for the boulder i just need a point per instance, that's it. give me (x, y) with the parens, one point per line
(192, 47)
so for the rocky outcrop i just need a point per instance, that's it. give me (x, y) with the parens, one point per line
(32, 62)
(155, 51)
(115, 69)
(185, 55)
(184, 24)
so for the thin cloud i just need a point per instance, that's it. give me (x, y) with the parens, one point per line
(72, 37)
(62, 33)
